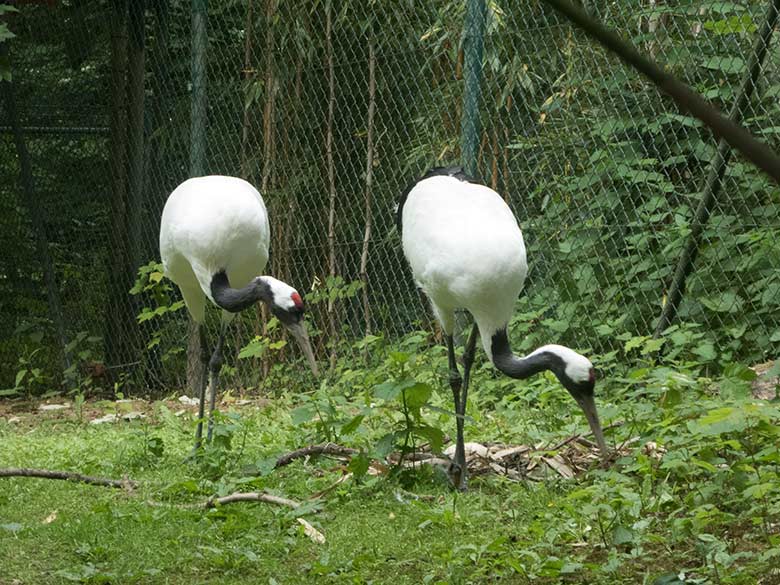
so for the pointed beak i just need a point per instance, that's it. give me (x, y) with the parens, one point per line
(298, 331)
(588, 406)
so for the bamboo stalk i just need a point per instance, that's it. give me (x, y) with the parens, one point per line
(369, 181)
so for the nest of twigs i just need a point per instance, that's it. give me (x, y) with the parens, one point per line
(521, 462)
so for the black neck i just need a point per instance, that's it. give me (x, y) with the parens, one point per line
(517, 367)
(238, 299)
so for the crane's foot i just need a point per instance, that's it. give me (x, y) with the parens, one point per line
(458, 474)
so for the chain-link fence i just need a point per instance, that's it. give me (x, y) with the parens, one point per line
(330, 109)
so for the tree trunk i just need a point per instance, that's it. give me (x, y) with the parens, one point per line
(248, 74)
(199, 47)
(34, 210)
(268, 112)
(332, 320)
(369, 182)
(120, 319)
(135, 128)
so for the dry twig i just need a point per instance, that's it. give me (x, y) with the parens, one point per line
(324, 449)
(124, 483)
(250, 497)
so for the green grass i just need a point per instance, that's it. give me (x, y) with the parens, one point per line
(710, 507)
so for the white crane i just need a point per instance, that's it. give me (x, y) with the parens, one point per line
(466, 251)
(214, 240)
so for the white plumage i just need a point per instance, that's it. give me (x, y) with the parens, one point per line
(466, 251)
(214, 243)
(210, 224)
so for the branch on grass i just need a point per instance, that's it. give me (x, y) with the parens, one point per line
(250, 497)
(324, 449)
(124, 483)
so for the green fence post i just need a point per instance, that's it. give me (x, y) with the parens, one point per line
(198, 77)
(473, 30)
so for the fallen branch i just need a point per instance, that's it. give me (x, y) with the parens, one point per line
(124, 483)
(324, 449)
(250, 497)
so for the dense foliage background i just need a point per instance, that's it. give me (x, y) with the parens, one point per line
(331, 109)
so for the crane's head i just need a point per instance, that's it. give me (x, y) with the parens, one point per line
(578, 376)
(287, 305)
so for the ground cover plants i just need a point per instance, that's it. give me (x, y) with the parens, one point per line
(693, 497)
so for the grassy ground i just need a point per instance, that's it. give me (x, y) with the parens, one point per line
(705, 511)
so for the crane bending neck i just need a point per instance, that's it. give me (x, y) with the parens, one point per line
(513, 365)
(238, 299)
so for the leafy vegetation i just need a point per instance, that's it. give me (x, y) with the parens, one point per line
(603, 174)
(694, 496)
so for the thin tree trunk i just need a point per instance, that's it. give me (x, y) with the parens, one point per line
(119, 318)
(268, 113)
(198, 137)
(248, 74)
(505, 160)
(494, 162)
(369, 181)
(269, 138)
(34, 210)
(135, 128)
(332, 320)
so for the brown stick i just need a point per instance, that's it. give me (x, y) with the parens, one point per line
(123, 483)
(324, 449)
(250, 497)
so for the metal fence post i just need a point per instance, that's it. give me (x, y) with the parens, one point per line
(473, 30)
(714, 179)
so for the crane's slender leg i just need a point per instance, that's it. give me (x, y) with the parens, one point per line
(458, 467)
(204, 360)
(215, 365)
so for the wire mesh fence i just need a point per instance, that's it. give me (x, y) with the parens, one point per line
(330, 109)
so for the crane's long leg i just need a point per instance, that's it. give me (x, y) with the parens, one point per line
(458, 468)
(215, 365)
(461, 392)
(204, 361)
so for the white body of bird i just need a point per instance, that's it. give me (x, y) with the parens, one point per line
(465, 250)
(212, 224)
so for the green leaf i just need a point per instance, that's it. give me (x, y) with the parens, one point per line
(254, 349)
(418, 395)
(733, 25)
(19, 377)
(358, 465)
(385, 445)
(352, 425)
(387, 391)
(622, 535)
(727, 302)
(758, 491)
(434, 436)
(9, 392)
(302, 414)
(727, 65)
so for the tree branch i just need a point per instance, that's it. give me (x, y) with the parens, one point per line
(124, 483)
(250, 497)
(324, 449)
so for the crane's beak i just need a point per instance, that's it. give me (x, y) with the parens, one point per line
(588, 406)
(298, 331)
